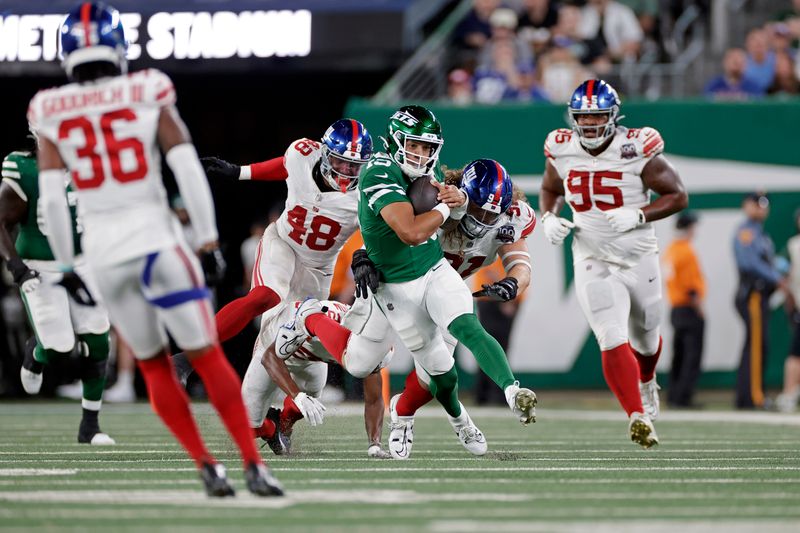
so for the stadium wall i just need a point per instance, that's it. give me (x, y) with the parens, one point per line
(719, 155)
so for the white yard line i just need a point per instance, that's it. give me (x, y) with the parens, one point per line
(9, 472)
(610, 526)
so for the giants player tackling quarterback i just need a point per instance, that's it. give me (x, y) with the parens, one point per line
(605, 172)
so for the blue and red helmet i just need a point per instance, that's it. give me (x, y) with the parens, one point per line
(594, 97)
(346, 148)
(93, 32)
(490, 193)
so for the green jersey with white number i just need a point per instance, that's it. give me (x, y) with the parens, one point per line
(382, 183)
(21, 173)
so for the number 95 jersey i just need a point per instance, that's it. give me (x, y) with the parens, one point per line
(314, 224)
(611, 179)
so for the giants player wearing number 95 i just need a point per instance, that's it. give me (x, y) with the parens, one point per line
(103, 128)
(606, 172)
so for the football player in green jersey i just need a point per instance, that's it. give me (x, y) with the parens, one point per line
(420, 294)
(59, 323)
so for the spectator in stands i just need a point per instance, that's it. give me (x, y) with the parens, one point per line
(474, 31)
(529, 89)
(559, 69)
(785, 83)
(780, 39)
(535, 23)
(647, 13)
(611, 31)
(732, 85)
(459, 87)
(760, 68)
(504, 25)
(501, 78)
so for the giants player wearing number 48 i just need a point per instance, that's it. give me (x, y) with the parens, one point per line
(605, 172)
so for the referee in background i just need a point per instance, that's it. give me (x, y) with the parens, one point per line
(686, 289)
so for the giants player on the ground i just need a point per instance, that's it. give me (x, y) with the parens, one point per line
(496, 221)
(103, 128)
(302, 375)
(297, 253)
(606, 172)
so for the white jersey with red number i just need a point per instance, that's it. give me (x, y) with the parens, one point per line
(312, 349)
(315, 224)
(468, 256)
(611, 179)
(106, 134)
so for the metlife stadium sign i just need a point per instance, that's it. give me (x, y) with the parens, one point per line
(165, 36)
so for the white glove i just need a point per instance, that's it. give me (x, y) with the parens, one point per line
(624, 219)
(556, 228)
(457, 213)
(375, 452)
(311, 408)
(30, 285)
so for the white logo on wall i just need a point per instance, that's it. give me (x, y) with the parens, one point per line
(219, 35)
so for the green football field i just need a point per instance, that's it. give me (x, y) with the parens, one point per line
(574, 470)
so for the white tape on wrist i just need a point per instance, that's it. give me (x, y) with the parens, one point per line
(444, 210)
(245, 173)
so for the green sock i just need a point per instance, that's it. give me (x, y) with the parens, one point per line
(44, 356)
(487, 351)
(444, 388)
(93, 367)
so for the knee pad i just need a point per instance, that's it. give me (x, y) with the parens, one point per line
(94, 346)
(646, 342)
(363, 356)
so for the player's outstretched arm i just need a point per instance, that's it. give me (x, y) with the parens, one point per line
(53, 202)
(661, 177)
(269, 170)
(373, 412)
(411, 229)
(276, 368)
(12, 211)
(517, 261)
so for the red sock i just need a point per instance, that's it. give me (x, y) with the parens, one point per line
(647, 363)
(170, 403)
(267, 429)
(224, 391)
(233, 318)
(289, 415)
(330, 333)
(621, 373)
(413, 397)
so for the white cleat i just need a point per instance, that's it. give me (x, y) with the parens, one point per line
(787, 403)
(101, 439)
(642, 431)
(522, 402)
(120, 393)
(401, 434)
(293, 334)
(468, 433)
(31, 381)
(650, 401)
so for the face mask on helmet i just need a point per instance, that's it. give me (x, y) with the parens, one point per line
(594, 135)
(339, 171)
(478, 222)
(417, 155)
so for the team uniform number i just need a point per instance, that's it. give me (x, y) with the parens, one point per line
(321, 233)
(586, 186)
(470, 265)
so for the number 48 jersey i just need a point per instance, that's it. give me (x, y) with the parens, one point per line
(315, 224)
(595, 184)
(106, 134)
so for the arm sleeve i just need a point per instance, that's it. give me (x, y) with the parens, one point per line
(53, 201)
(270, 170)
(380, 190)
(749, 260)
(193, 185)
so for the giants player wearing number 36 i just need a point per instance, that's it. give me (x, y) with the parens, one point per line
(605, 172)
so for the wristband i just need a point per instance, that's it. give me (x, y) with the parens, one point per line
(444, 210)
(245, 173)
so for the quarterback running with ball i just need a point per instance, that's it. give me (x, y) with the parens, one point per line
(605, 172)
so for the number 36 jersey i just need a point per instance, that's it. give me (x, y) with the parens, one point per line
(106, 134)
(315, 224)
(611, 179)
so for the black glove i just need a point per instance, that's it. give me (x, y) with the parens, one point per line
(501, 291)
(76, 289)
(20, 271)
(214, 266)
(364, 274)
(217, 168)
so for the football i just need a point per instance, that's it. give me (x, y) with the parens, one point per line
(422, 194)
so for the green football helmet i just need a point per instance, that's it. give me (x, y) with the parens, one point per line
(414, 123)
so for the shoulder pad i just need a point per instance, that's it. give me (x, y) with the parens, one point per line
(301, 149)
(557, 141)
(158, 86)
(523, 217)
(648, 141)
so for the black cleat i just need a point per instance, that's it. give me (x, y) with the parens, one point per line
(260, 480)
(31, 371)
(215, 480)
(279, 443)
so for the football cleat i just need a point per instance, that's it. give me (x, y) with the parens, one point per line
(89, 433)
(279, 443)
(649, 392)
(401, 434)
(293, 334)
(30, 373)
(468, 433)
(642, 431)
(215, 480)
(260, 480)
(787, 402)
(522, 402)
